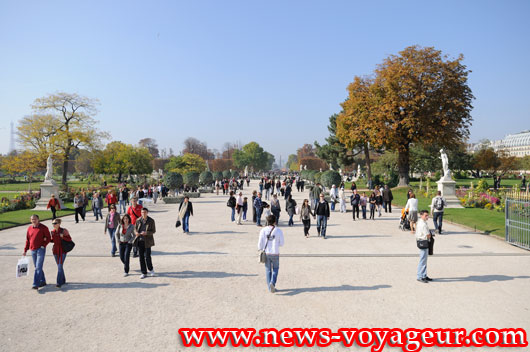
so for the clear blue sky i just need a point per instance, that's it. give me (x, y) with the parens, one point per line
(269, 71)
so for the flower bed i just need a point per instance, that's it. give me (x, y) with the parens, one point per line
(19, 202)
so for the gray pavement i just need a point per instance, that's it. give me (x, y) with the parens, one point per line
(363, 275)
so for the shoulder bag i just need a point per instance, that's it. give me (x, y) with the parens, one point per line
(262, 255)
(423, 244)
(67, 246)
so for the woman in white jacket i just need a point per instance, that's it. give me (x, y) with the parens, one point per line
(342, 199)
(412, 208)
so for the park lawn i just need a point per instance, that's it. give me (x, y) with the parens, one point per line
(466, 182)
(8, 195)
(488, 221)
(361, 184)
(21, 217)
(35, 186)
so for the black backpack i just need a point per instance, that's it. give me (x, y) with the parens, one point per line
(439, 203)
(231, 202)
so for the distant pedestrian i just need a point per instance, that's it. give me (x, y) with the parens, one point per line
(372, 200)
(97, 204)
(111, 199)
(53, 205)
(412, 208)
(422, 234)
(135, 212)
(355, 202)
(258, 205)
(111, 224)
(275, 207)
(78, 207)
(378, 200)
(315, 195)
(145, 229)
(85, 203)
(387, 199)
(305, 216)
(254, 196)
(270, 240)
(231, 203)
(290, 208)
(322, 213)
(334, 195)
(185, 211)
(245, 208)
(37, 238)
(125, 233)
(59, 234)
(342, 199)
(363, 203)
(438, 205)
(239, 207)
(123, 196)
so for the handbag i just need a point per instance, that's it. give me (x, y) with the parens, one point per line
(67, 245)
(422, 244)
(262, 255)
(431, 244)
(178, 223)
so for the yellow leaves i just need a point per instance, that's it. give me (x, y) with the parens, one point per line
(27, 162)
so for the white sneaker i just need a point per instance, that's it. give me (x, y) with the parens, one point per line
(142, 276)
(125, 274)
(273, 289)
(152, 273)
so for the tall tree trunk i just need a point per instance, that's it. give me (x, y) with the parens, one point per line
(368, 164)
(119, 177)
(404, 165)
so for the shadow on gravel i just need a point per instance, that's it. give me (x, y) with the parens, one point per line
(187, 253)
(200, 274)
(214, 232)
(296, 291)
(7, 247)
(359, 236)
(481, 278)
(72, 286)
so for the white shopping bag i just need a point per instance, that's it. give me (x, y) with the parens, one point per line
(22, 267)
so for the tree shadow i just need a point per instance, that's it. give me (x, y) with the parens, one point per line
(186, 253)
(481, 278)
(296, 291)
(214, 232)
(359, 236)
(7, 247)
(200, 274)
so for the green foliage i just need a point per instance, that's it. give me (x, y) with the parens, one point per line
(234, 174)
(218, 175)
(173, 180)
(227, 174)
(252, 155)
(206, 178)
(482, 185)
(334, 152)
(186, 163)
(392, 180)
(119, 158)
(330, 178)
(191, 178)
(317, 176)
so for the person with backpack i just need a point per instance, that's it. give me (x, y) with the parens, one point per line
(270, 240)
(355, 202)
(231, 203)
(437, 211)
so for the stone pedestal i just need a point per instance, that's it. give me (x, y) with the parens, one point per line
(448, 187)
(48, 188)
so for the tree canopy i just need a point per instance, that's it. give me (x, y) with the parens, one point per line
(186, 163)
(252, 155)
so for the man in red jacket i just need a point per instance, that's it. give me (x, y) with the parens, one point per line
(37, 238)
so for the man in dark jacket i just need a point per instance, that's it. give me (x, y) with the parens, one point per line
(145, 229)
(322, 214)
(355, 201)
(387, 199)
(185, 210)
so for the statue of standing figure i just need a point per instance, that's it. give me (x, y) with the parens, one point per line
(445, 165)
(49, 169)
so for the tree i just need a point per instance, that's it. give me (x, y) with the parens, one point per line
(151, 145)
(206, 178)
(186, 163)
(221, 164)
(84, 160)
(218, 175)
(330, 178)
(194, 146)
(334, 152)
(313, 163)
(191, 178)
(66, 122)
(495, 163)
(306, 151)
(27, 162)
(292, 158)
(119, 158)
(252, 155)
(173, 180)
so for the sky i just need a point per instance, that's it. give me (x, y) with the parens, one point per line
(266, 71)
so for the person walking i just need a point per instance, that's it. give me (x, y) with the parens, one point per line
(231, 203)
(423, 233)
(322, 213)
(258, 205)
(438, 205)
(85, 203)
(288, 190)
(78, 207)
(239, 207)
(270, 240)
(97, 204)
(290, 208)
(412, 208)
(125, 233)
(145, 228)
(372, 201)
(59, 234)
(122, 199)
(305, 216)
(37, 238)
(54, 205)
(334, 195)
(185, 210)
(355, 202)
(254, 196)
(342, 199)
(363, 202)
(111, 224)
(315, 195)
(275, 207)
(135, 212)
(378, 200)
(111, 199)
(387, 199)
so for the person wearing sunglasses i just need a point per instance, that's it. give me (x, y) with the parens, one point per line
(59, 234)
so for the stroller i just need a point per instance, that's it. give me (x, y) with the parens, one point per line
(404, 223)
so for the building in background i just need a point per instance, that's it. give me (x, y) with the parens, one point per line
(514, 144)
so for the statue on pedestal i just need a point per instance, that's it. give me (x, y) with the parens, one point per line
(301, 167)
(49, 169)
(305, 167)
(445, 165)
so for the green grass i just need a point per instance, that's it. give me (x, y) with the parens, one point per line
(35, 186)
(488, 221)
(21, 217)
(9, 195)
(361, 184)
(466, 182)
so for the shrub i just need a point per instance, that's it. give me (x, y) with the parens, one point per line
(191, 178)
(482, 185)
(234, 174)
(226, 174)
(218, 175)
(329, 178)
(206, 178)
(173, 180)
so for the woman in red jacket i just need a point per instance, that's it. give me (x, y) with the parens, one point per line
(54, 205)
(59, 234)
(111, 199)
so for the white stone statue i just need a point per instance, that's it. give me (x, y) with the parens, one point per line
(207, 166)
(301, 167)
(305, 167)
(340, 171)
(49, 169)
(358, 170)
(445, 165)
(320, 169)
(330, 167)
(246, 171)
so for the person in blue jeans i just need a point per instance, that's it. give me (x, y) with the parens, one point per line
(232, 204)
(245, 208)
(322, 214)
(58, 235)
(423, 233)
(270, 240)
(111, 224)
(185, 210)
(37, 238)
(258, 205)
